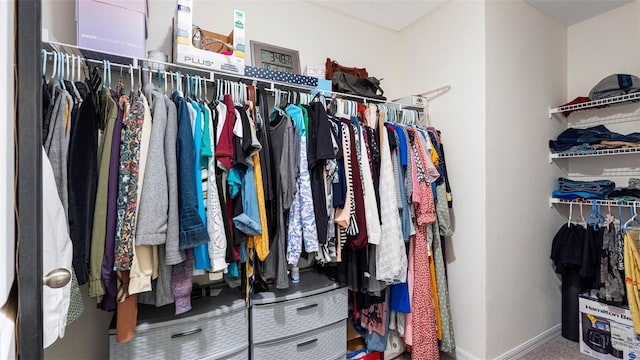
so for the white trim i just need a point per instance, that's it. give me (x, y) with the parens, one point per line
(463, 355)
(532, 344)
(7, 114)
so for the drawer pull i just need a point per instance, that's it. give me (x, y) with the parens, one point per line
(307, 342)
(307, 307)
(186, 333)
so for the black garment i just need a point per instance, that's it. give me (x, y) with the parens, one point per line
(624, 192)
(440, 167)
(229, 255)
(320, 149)
(567, 247)
(591, 254)
(340, 187)
(82, 183)
(572, 251)
(446, 176)
(372, 142)
(47, 108)
(360, 240)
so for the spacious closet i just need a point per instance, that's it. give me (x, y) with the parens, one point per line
(205, 213)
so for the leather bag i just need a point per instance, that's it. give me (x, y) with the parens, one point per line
(332, 66)
(362, 86)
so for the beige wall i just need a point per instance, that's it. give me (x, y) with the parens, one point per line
(316, 32)
(604, 45)
(526, 73)
(448, 48)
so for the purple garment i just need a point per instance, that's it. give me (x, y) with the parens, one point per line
(181, 283)
(108, 275)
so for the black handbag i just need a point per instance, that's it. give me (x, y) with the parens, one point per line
(353, 85)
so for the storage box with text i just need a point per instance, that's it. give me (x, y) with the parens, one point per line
(186, 53)
(606, 331)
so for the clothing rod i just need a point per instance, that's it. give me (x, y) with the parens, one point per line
(435, 93)
(143, 69)
(70, 49)
(334, 94)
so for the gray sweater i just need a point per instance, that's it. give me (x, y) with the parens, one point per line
(153, 211)
(173, 254)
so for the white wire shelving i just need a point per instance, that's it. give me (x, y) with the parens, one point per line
(557, 112)
(594, 153)
(128, 63)
(555, 201)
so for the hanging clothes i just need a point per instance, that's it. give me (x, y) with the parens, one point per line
(57, 253)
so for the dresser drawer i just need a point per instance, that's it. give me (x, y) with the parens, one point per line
(240, 355)
(279, 320)
(327, 343)
(210, 337)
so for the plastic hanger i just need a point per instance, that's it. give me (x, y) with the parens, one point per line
(109, 74)
(165, 81)
(44, 63)
(583, 222)
(79, 69)
(609, 219)
(570, 214)
(633, 217)
(595, 217)
(206, 96)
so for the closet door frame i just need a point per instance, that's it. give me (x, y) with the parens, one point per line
(29, 178)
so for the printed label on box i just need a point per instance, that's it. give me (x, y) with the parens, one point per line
(606, 331)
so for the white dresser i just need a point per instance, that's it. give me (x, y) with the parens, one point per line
(216, 328)
(306, 321)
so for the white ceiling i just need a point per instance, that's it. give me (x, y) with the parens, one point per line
(398, 14)
(569, 12)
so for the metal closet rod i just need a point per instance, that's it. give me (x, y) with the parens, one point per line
(136, 68)
(77, 51)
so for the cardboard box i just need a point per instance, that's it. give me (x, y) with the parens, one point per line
(113, 26)
(606, 331)
(187, 54)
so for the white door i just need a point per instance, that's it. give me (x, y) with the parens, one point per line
(7, 117)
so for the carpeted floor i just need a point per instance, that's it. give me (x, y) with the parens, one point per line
(557, 349)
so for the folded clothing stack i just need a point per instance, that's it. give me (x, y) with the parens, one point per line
(629, 193)
(572, 189)
(591, 139)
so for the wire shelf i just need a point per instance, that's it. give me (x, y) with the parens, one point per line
(601, 152)
(554, 201)
(594, 104)
(147, 65)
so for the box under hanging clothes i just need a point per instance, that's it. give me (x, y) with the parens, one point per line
(606, 331)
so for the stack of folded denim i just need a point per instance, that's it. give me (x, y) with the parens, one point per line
(591, 138)
(572, 189)
(629, 193)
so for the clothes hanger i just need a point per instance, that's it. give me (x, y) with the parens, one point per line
(109, 74)
(582, 222)
(609, 219)
(54, 71)
(570, 214)
(44, 64)
(633, 218)
(595, 217)
(61, 71)
(164, 81)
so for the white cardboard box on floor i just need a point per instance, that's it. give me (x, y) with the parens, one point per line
(606, 331)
